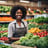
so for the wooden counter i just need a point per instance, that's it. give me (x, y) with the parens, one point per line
(19, 46)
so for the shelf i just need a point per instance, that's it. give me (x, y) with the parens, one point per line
(4, 14)
(7, 4)
(5, 21)
(29, 15)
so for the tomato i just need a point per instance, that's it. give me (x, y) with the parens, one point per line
(42, 32)
(38, 33)
(42, 35)
(4, 38)
(45, 32)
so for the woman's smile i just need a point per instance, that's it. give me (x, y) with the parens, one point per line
(19, 14)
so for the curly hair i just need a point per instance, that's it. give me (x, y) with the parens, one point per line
(17, 7)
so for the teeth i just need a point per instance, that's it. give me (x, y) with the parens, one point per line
(18, 16)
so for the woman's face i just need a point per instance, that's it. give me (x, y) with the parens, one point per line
(18, 14)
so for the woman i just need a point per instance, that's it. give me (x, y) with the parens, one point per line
(17, 28)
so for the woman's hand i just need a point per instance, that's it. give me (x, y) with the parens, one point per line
(7, 41)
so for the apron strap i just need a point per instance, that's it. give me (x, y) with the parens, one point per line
(15, 25)
(23, 23)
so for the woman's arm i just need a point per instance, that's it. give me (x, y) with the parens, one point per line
(10, 33)
(13, 38)
(10, 30)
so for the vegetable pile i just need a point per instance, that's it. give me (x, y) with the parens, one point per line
(3, 30)
(4, 46)
(44, 26)
(37, 34)
(41, 34)
(5, 9)
(42, 42)
(33, 40)
(34, 30)
(8, 19)
(3, 25)
(3, 34)
(39, 20)
(4, 38)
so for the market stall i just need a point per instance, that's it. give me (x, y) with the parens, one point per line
(37, 35)
(37, 19)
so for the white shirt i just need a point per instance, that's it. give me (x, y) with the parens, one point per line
(11, 25)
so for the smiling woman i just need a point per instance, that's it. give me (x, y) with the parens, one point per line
(17, 28)
(16, 8)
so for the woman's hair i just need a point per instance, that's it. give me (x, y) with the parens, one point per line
(17, 7)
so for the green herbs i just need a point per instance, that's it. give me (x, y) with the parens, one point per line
(42, 42)
(29, 35)
(44, 26)
(4, 46)
(39, 20)
(33, 40)
(30, 42)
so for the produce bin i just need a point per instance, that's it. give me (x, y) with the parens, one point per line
(19, 46)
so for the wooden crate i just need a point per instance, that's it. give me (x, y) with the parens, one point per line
(37, 23)
(19, 46)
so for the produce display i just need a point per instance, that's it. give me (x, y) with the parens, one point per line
(5, 9)
(34, 30)
(3, 34)
(42, 42)
(4, 38)
(33, 40)
(6, 19)
(39, 20)
(33, 11)
(3, 30)
(4, 46)
(27, 36)
(3, 25)
(41, 34)
(44, 26)
(37, 34)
